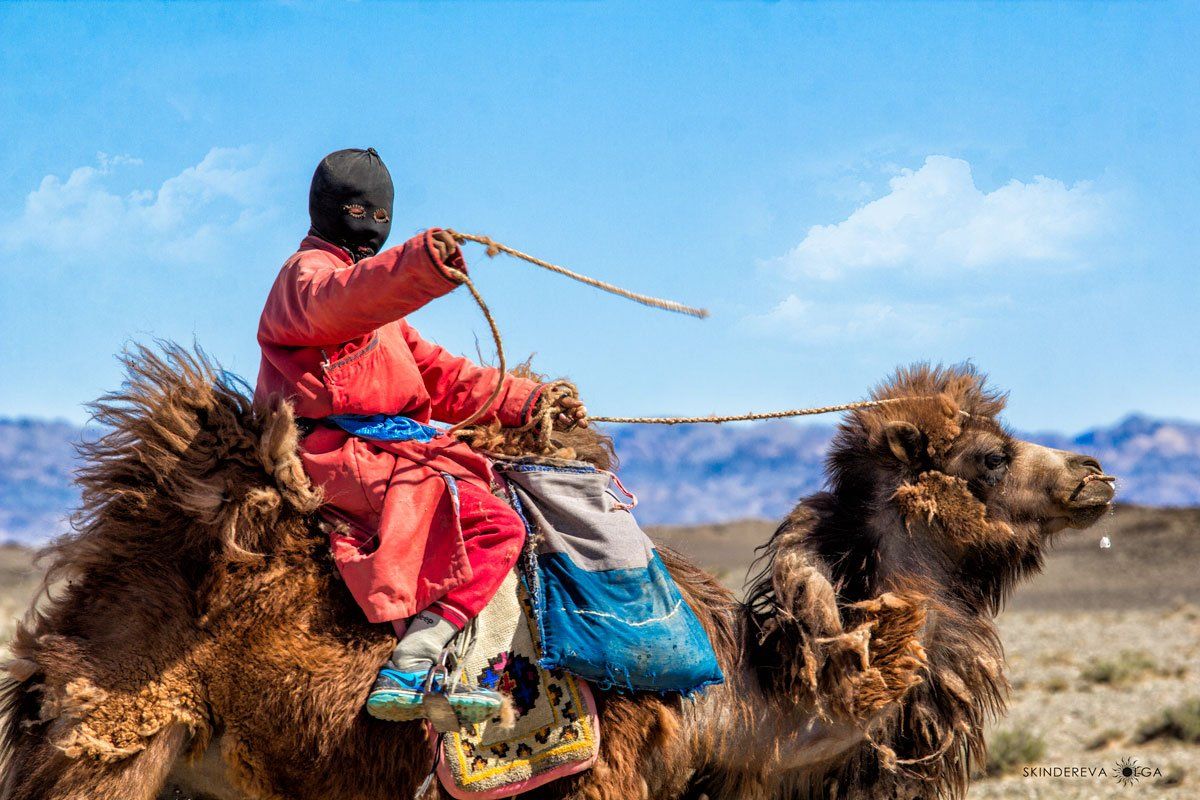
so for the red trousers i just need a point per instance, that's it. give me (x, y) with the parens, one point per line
(493, 535)
(492, 538)
(423, 524)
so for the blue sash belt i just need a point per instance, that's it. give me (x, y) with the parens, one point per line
(384, 427)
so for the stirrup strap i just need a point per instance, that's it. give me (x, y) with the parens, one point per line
(436, 701)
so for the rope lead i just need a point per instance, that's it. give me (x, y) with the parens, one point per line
(794, 412)
(494, 247)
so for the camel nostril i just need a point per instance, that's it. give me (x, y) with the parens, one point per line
(1088, 463)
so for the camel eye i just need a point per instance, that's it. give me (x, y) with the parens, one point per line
(381, 215)
(994, 460)
(355, 210)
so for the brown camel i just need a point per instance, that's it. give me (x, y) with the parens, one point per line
(197, 642)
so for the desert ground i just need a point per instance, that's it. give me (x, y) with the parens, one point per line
(1099, 647)
(1103, 651)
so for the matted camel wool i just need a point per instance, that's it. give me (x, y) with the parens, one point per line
(607, 609)
(555, 731)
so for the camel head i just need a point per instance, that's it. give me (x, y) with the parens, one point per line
(950, 497)
(934, 511)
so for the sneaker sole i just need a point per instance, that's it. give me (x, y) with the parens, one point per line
(395, 707)
(474, 711)
(407, 708)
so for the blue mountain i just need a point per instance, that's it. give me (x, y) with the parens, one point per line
(683, 475)
(705, 473)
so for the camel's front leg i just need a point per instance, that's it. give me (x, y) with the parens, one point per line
(849, 662)
(885, 657)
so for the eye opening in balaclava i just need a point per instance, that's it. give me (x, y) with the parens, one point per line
(350, 201)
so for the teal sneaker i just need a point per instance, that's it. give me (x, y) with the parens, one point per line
(397, 696)
(400, 697)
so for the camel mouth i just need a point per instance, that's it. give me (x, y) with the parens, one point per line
(1090, 499)
(1094, 484)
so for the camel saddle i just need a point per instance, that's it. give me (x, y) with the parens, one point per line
(589, 602)
(552, 730)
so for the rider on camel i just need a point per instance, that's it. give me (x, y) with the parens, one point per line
(420, 540)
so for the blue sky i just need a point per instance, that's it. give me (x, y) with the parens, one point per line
(847, 187)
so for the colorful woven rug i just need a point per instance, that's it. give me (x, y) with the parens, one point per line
(556, 732)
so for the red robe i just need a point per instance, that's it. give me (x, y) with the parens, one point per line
(334, 341)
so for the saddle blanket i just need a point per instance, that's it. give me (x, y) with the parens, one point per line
(556, 732)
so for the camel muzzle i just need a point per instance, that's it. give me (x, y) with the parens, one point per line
(1092, 493)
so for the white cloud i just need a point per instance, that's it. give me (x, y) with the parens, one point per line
(806, 321)
(936, 219)
(181, 220)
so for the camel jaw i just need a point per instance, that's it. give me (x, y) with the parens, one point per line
(1087, 516)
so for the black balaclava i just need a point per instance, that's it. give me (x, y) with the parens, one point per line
(350, 202)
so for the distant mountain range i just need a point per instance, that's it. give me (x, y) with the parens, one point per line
(36, 460)
(712, 473)
(687, 474)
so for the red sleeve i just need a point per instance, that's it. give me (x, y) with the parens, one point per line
(331, 303)
(457, 386)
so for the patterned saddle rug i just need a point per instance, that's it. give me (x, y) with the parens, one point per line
(556, 730)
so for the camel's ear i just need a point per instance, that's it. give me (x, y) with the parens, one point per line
(905, 440)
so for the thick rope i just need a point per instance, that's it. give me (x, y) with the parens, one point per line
(494, 247)
(502, 368)
(715, 419)
(545, 420)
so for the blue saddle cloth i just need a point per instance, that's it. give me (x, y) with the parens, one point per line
(384, 427)
(606, 607)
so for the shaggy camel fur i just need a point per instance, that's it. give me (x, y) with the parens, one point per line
(197, 642)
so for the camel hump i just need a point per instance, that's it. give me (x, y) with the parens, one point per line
(186, 456)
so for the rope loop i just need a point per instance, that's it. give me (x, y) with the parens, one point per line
(548, 407)
(501, 368)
